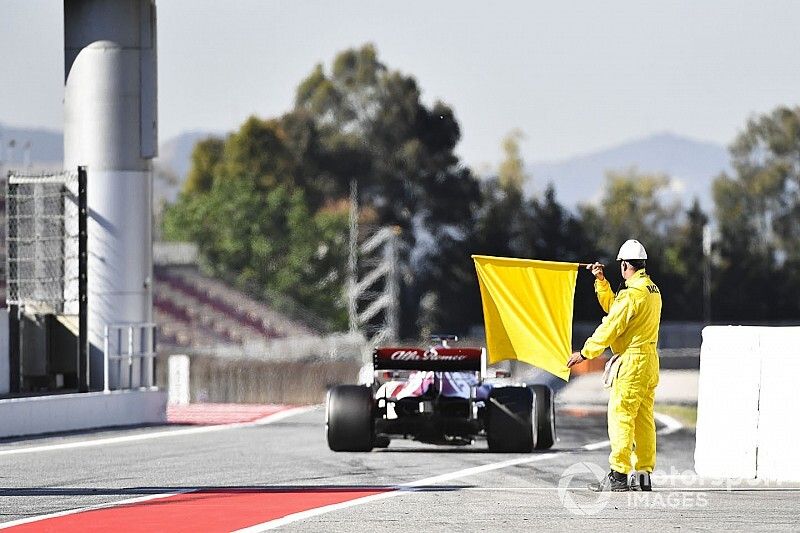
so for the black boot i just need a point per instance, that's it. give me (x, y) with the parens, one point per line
(640, 481)
(613, 482)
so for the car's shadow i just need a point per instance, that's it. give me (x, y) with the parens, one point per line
(214, 490)
(469, 450)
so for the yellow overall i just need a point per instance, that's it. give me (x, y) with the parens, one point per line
(631, 329)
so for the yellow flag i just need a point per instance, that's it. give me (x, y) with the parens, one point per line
(527, 310)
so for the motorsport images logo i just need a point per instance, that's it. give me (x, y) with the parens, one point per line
(595, 502)
(681, 491)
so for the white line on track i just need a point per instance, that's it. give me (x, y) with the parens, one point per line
(597, 445)
(269, 419)
(714, 488)
(400, 490)
(671, 426)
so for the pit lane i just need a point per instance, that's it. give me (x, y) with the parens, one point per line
(432, 488)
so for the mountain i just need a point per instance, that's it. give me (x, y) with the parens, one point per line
(692, 165)
(176, 153)
(43, 150)
(38, 148)
(173, 161)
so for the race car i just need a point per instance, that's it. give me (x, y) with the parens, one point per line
(438, 395)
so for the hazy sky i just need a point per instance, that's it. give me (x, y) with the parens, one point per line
(574, 76)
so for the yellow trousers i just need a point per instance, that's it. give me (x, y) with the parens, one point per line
(631, 426)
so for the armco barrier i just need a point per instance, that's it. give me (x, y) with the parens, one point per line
(748, 392)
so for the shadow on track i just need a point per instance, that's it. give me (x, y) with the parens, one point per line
(216, 490)
(466, 450)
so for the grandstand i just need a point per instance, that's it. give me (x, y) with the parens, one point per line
(198, 312)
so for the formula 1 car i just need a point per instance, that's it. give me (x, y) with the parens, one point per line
(438, 395)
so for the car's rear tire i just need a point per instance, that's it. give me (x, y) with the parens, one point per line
(544, 417)
(349, 420)
(509, 421)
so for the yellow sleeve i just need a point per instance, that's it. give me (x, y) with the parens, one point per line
(605, 295)
(612, 326)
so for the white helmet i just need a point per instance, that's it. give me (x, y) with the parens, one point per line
(631, 249)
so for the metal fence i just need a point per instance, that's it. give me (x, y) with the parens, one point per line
(131, 350)
(42, 241)
(46, 269)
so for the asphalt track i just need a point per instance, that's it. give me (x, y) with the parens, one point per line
(280, 475)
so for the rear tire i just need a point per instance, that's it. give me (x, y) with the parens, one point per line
(509, 426)
(544, 416)
(349, 420)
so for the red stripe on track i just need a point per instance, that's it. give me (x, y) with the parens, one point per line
(220, 413)
(207, 510)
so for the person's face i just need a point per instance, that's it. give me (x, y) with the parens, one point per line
(625, 270)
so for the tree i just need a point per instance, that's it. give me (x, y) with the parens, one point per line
(766, 159)
(496, 225)
(373, 127)
(683, 262)
(634, 206)
(512, 173)
(758, 212)
(255, 225)
(268, 204)
(558, 235)
(206, 156)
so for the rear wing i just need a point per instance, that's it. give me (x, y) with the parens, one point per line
(438, 359)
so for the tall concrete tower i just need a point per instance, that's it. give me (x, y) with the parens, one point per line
(110, 109)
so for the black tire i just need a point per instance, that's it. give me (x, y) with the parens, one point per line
(544, 417)
(349, 421)
(509, 426)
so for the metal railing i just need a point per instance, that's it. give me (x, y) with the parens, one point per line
(132, 347)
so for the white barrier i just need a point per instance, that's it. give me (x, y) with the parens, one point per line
(779, 423)
(178, 372)
(748, 391)
(71, 412)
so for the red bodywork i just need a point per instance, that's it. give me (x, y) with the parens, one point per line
(440, 359)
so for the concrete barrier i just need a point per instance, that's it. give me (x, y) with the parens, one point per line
(778, 422)
(178, 370)
(70, 412)
(747, 394)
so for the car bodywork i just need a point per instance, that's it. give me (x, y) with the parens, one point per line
(438, 395)
(435, 395)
